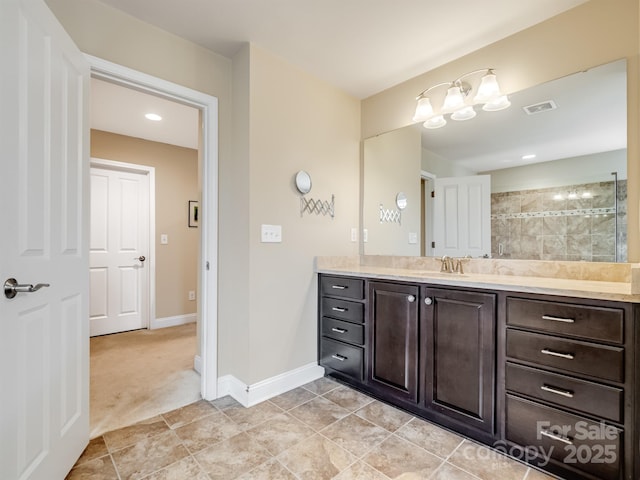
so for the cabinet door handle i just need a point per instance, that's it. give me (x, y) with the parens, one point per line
(339, 357)
(338, 330)
(428, 301)
(558, 319)
(557, 391)
(568, 356)
(339, 309)
(411, 298)
(339, 287)
(555, 436)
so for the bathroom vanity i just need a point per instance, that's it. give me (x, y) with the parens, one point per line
(542, 368)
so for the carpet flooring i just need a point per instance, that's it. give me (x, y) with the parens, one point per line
(137, 375)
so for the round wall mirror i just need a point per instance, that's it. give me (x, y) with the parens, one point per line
(303, 182)
(401, 201)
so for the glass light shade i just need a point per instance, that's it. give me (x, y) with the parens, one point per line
(424, 110)
(453, 101)
(488, 89)
(499, 103)
(435, 122)
(466, 113)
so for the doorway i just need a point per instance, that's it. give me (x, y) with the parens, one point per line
(206, 301)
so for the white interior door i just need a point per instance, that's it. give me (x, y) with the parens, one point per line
(462, 216)
(44, 349)
(119, 248)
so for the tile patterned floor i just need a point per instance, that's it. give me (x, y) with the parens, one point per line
(319, 431)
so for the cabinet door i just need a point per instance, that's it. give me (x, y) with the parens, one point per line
(394, 340)
(459, 345)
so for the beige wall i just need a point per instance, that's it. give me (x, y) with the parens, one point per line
(392, 165)
(176, 173)
(295, 122)
(594, 33)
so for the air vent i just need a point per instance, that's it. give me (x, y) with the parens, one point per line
(540, 107)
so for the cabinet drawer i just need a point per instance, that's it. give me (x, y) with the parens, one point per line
(341, 357)
(343, 331)
(598, 361)
(589, 322)
(572, 440)
(342, 287)
(343, 309)
(588, 397)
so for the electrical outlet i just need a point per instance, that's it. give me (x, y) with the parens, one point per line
(365, 235)
(354, 234)
(192, 295)
(271, 234)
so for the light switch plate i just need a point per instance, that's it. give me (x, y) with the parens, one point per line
(413, 238)
(365, 235)
(271, 234)
(164, 239)
(354, 234)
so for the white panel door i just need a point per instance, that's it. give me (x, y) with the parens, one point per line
(44, 335)
(119, 248)
(462, 216)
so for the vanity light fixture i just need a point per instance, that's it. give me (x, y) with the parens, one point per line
(153, 116)
(458, 103)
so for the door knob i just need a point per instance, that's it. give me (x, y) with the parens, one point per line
(142, 258)
(12, 287)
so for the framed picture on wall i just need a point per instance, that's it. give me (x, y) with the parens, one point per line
(194, 214)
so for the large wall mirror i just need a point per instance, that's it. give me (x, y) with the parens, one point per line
(557, 164)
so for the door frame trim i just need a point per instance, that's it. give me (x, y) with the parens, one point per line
(151, 260)
(208, 170)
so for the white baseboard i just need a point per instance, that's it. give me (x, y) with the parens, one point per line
(173, 321)
(249, 395)
(197, 364)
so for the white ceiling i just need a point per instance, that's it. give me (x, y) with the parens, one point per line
(360, 46)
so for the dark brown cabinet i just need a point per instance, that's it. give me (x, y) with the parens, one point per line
(394, 340)
(459, 358)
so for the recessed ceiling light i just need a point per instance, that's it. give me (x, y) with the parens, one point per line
(528, 157)
(153, 116)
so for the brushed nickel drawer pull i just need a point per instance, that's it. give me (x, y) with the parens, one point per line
(339, 357)
(557, 391)
(339, 287)
(568, 356)
(558, 319)
(555, 436)
(339, 309)
(338, 330)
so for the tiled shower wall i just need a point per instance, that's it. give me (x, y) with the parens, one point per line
(547, 224)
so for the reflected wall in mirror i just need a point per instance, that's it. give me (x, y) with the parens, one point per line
(558, 166)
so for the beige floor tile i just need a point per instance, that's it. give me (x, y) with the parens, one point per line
(316, 458)
(97, 469)
(189, 413)
(149, 455)
(293, 398)
(126, 436)
(430, 437)
(250, 417)
(355, 434)
(96, 448)
(280, 432)
(232, 458)
(396, 457)
(225, 402)
(348, 398)
(319, 413)
(485, 463)
(185, 469)
(207, 431)
(360, 471)
(321, 385)
(269, 470)
(534, 474)
(451, 472)
(384, 415)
